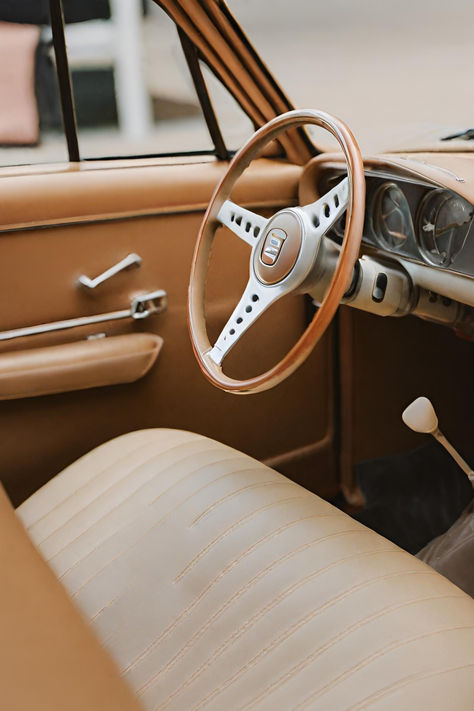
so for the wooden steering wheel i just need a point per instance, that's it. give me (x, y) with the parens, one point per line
(284, 251)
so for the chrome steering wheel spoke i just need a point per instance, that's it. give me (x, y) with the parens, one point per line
(324, 212)
(254, 301)
(244, 223)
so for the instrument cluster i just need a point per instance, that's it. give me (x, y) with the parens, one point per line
(417, 221)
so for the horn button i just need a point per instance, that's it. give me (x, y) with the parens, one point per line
(280, 248)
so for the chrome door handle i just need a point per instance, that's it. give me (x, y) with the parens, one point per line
(131, 260)
(146, 305)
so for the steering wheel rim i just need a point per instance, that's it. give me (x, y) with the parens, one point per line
(340, 279)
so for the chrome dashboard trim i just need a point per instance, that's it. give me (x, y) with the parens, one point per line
(371, 249)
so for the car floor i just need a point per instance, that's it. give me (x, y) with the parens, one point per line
(412, 497)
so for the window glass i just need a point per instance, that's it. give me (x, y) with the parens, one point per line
(30, 115)
(132, 88)
(234, 123)
(394, 71)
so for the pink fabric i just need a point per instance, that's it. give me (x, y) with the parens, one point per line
(18, 110)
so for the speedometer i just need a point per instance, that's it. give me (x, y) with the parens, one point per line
(443, 223)
(391, 217)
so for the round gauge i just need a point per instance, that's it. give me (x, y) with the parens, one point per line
(443, 222)
(391, 217)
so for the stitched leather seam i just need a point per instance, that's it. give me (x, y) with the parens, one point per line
(135, 491)
(127, 475)
(109, 466)
(373, 657)
(230, 495)
(153, 501)
(232, 528)
(307, 618)
(404, 682)
(261, 574)
(158, 523)
(167, 631)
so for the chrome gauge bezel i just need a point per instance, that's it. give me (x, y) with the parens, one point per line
(374, 216)
(424, 251)
(417, 192)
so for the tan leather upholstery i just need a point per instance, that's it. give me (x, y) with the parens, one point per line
(164, 197)
(216, 583)
(49, 660)
(77, 366)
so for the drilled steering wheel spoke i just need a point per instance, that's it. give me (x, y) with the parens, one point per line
(323, 213)
(244, 223)
(254, 301)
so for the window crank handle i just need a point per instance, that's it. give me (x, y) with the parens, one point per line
(131, 260)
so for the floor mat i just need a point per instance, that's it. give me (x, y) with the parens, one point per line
(413, 497)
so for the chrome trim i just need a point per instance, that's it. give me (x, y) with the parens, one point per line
(394, 176)
(131, 260)
(391, 175)
(140, 307)
(458, 178)
(370, 249)
(144, 305)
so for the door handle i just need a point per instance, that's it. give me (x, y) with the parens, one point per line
(131, 260)
(142, 306)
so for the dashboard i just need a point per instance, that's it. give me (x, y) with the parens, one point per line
(429, 225)
(417, 252)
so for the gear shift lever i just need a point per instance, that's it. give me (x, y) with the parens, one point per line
(420, 416)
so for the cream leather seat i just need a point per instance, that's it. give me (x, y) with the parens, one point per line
(216, 583)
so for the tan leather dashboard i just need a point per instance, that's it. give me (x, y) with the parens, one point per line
(454, 171)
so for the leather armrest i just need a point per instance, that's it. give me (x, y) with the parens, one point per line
(77, 366)
(49, 658)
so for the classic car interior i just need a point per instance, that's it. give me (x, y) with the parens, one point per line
(210, 499)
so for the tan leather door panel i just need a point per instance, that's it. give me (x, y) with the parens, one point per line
(56, 225)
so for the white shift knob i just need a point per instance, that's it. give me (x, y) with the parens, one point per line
(420, 416)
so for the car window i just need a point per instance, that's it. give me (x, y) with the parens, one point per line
(234, 123)
(393, 71)
(132, 88)
(30, 114)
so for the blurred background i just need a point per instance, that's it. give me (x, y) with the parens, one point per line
(397, 73)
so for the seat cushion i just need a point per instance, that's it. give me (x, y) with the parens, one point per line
(217, 583)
